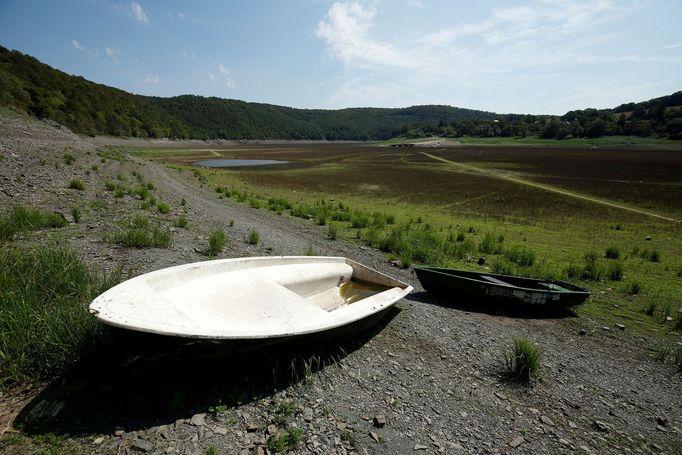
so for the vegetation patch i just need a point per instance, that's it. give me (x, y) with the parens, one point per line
(140, 233)
(76, 184)
(522, 361)
(21, 218)
(44, 322)
(216, 242)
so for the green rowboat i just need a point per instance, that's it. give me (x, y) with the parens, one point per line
(452, 284)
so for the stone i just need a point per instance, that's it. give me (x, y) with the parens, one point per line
(572, 424)
(517, 441)
(118, 431)
(220, 430)
(251, 427)
(661, 420)
(601, 426)
(272, 428)
(142, 445)
(585, 449)
(564, 442)
(661, 428)
(198, 420)
(98, 441)
(420, 447)
(375, 436)
(379, 420)
(341, 426)
(582, 332)
(481, 260)
(546, 420)
(620, 326)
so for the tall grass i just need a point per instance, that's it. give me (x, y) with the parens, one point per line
(44, 322)
(253, 237)
(140, 233)
(76, 184)
(522, 360)
(21, 218)
(216, 242)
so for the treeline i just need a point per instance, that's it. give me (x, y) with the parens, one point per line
(659, 117)
(30, 86)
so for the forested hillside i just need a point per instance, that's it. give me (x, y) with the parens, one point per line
(659, 117)
(30, 86)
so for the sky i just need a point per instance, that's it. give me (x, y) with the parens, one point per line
(524, 56)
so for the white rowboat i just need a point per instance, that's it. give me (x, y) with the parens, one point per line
(250, 298)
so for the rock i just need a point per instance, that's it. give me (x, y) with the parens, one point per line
(620, 326)
(601, 426)
(585, 449)
(272, 429)
(661, 428)
(142, 445)
(220, 430)
(198, 420)
(379, 420)
(517, 441)
(98, 441)
(648, 237)
(582, 332)
(251, 427)
(341, 426)
(375, 436)
(564, 442)
(481, 260)
(546, 421)
(572, 424)
(661, 420)
(420, 447)
(118, 431)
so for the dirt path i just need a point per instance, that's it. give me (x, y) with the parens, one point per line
(502, 176)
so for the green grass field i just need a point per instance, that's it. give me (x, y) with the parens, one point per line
(536, 212)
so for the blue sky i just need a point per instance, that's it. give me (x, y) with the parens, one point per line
(531, 56)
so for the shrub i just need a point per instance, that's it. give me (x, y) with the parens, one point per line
(520, 256)
(650, 255)
(22, 218)
(490, 244)
(45, 325)
(615, 271)
(522, 360)
(572, 271)
(678, 320)
(310, 251)
(650, 309)
(332, 232)
(76, 184)
(635, 288)
(253, 237)
(612, 252)
(216, 242)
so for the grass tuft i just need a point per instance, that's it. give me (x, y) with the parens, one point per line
(216, 242)
(615, 271)
(612, 252)
(522, 360)
(253, 238)
(21, 218)
(44, 322)
(139, 233)
(76, 184)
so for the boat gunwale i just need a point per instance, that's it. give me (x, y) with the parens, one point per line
(436, 270)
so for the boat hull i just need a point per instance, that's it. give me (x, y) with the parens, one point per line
(503, 290)
(265, 298)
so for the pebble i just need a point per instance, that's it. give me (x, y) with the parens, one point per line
(142, 445)
(98, 441)
(601, 426)
(620, 326)
(517, 441)
(374, 436)
(420, 447)
(546, 421)
(379, 420)
(198, 420)
(118, 431)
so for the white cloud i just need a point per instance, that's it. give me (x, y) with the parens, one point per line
(346, 31)
(672, 46)
(138, 12)
(77, 45)
(113, 53)
(227, 80)
(211, 76)
(152, 79)
(176, 15)
(535, 41)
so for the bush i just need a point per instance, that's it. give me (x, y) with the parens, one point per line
(522, 360)
(216, 242)
(76, 184)
(635, 288)
(139, 234)
(520, 256)
(76, 214)
(591, 271)
(69, 159)
(22, 218)
(612, 252)
(44, 322)
(332, 232)
(491, 244)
